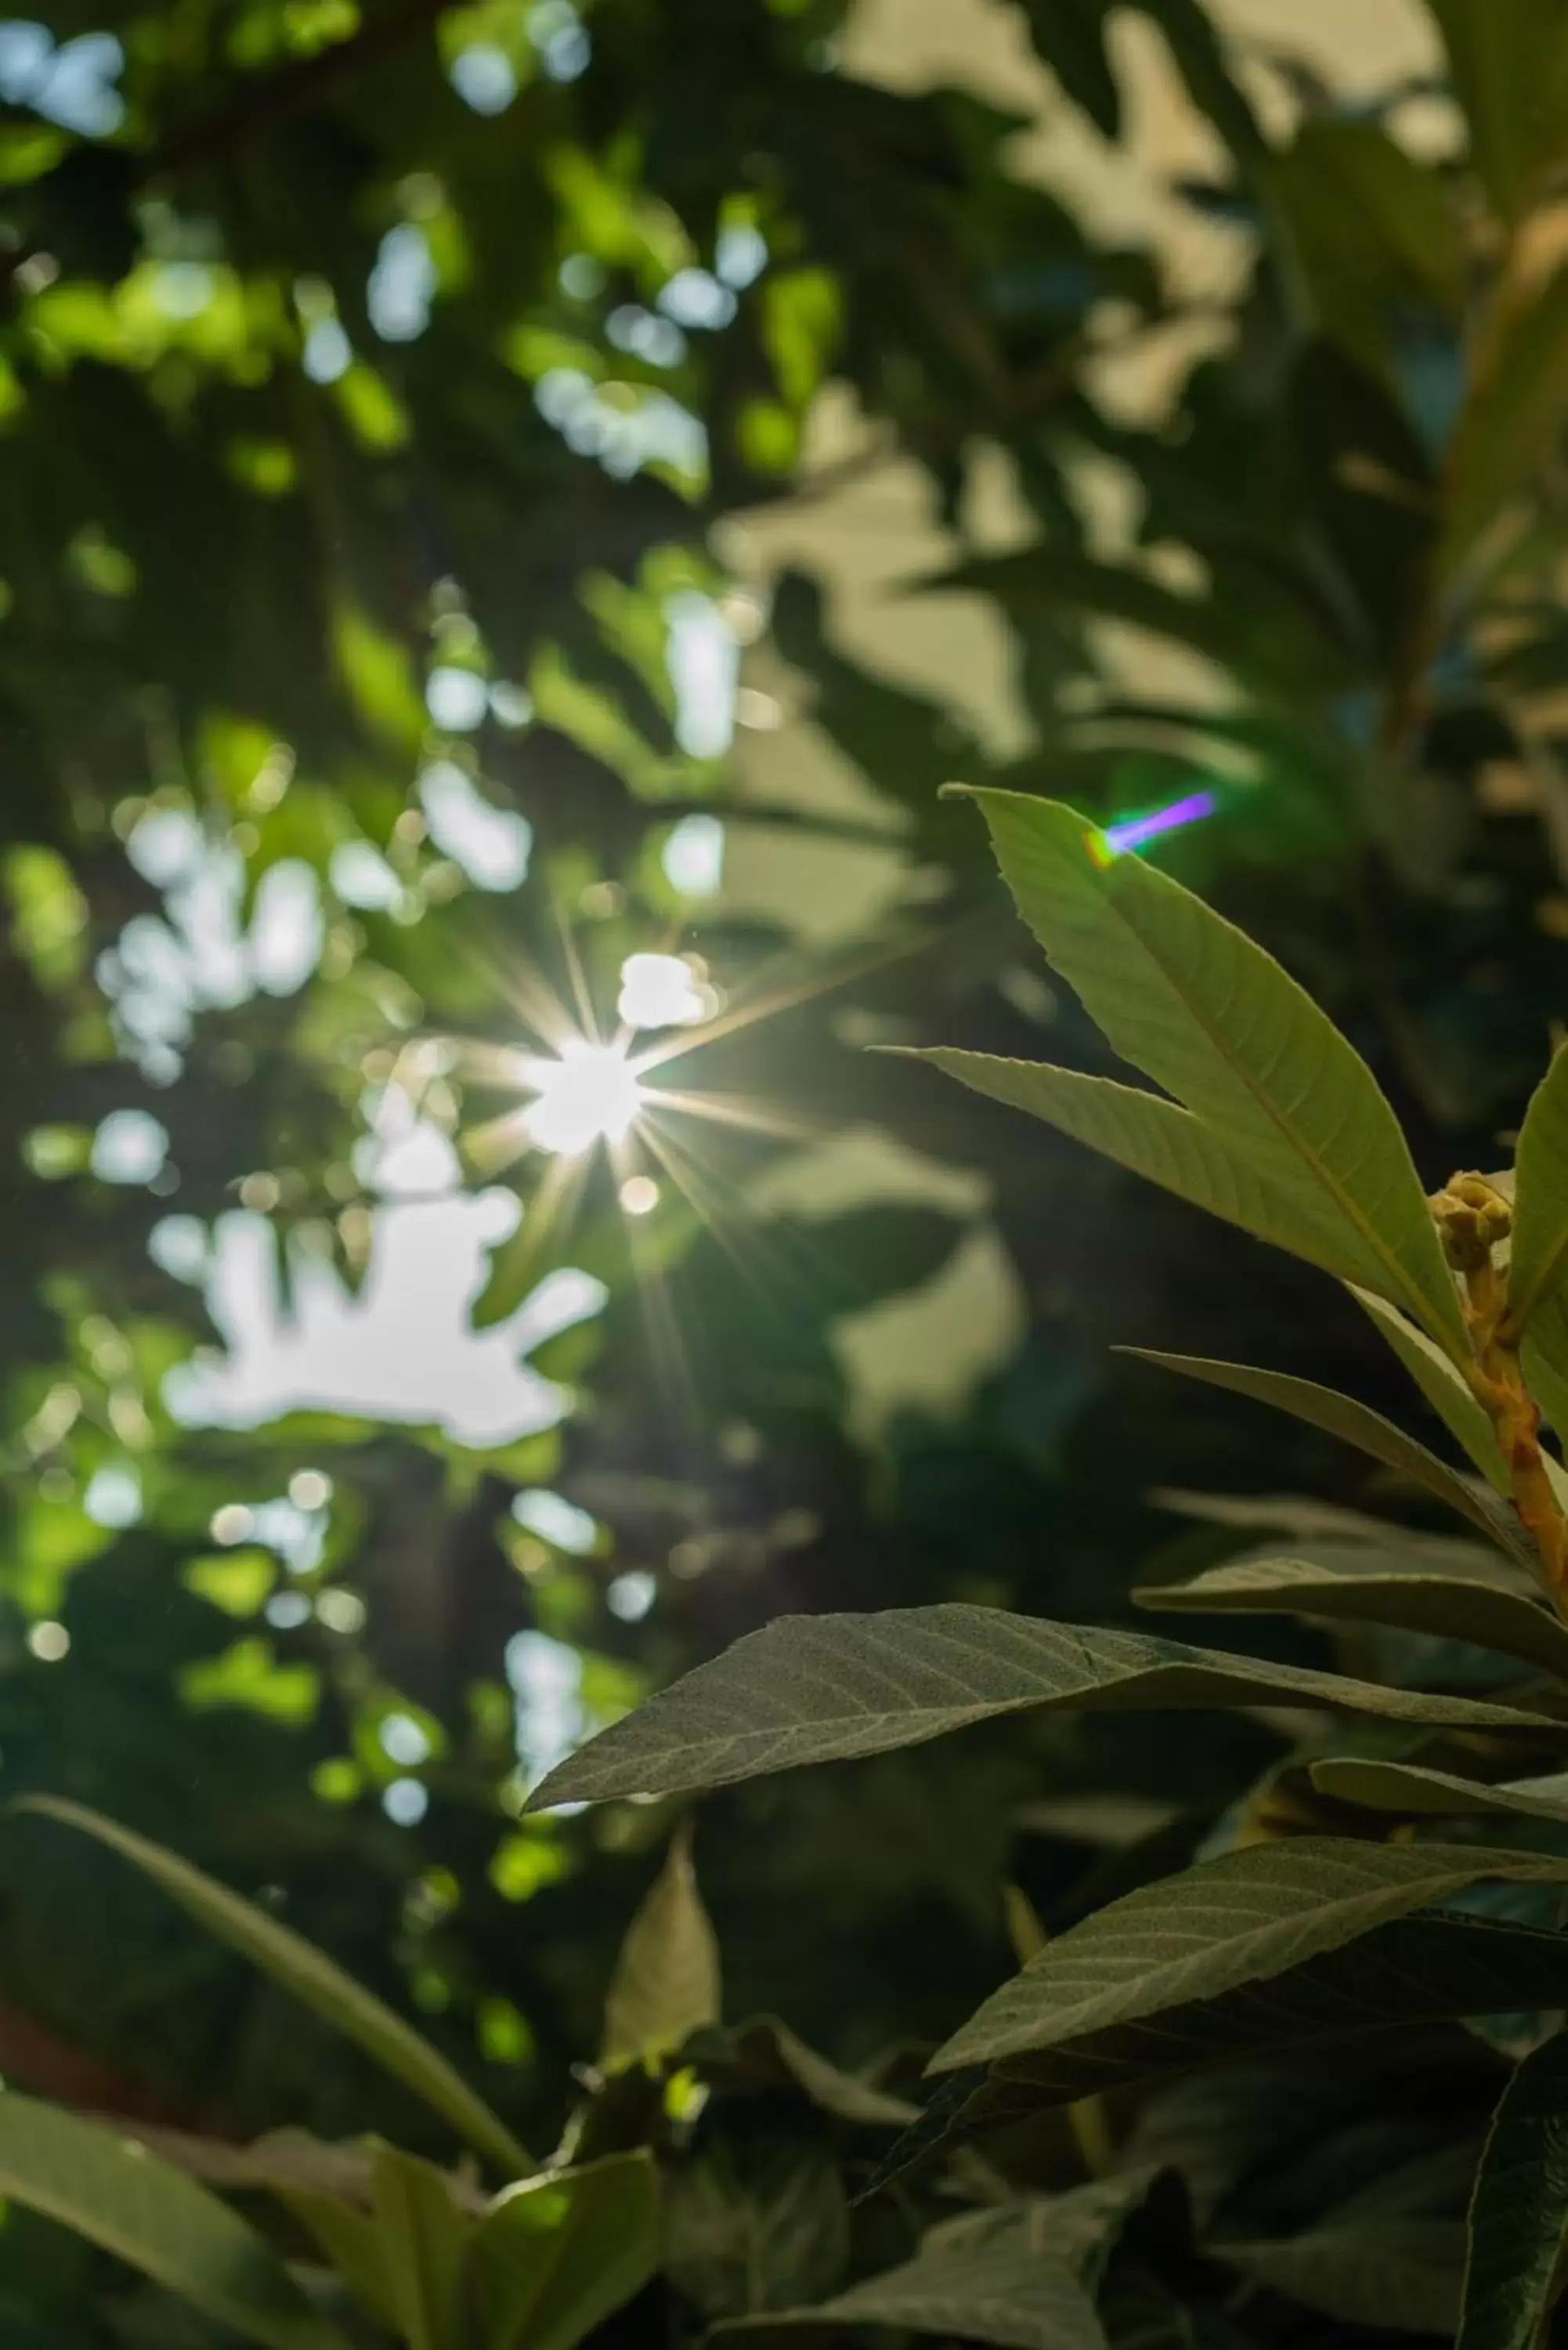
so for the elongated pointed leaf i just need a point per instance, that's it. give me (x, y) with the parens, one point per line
(1082, 2226)
(312, 1978)
(666, 1981)
(1399, 2273)
(1538, 1258)
(820, 1688)
(1412, 1787)
(1157, 1139)
(1503, 437)
(1518, 2213)
(350, 2242)
(111, 2191)
(1348, 1583)
(765, 2053)
(1417, 1970)
(422, 2239)
(1241, 1919)
(1544, 1356)
(1354, 1423)
(1509, 67)
(1442, 1386)
(1017, 2299)
(556, 2255)
(1191, 1002)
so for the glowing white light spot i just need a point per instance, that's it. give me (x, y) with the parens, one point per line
(556, 1520)
(483, 77)
(113, 1497)
(491, 844)
(693, 857)
(640, 1195)
(130, 1147)
(340, 1611)
(630, 1595)
(590, 1094)
(327, 353)
(310, 1489)
(178, 1246)
(403, 1741)
(49, 1642)
(233, 1524)
(658, 991)
(457, 698)
(405, 1802)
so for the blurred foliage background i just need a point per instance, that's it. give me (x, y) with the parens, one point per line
(489, 492)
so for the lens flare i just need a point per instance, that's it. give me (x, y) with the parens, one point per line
(585, 1093)
(1131, 833)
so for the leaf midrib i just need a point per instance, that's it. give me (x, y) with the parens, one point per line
(1066, 2022)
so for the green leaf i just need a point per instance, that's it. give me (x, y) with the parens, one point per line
(1349, 1582)
(1416, 1970)
(765, 2053)
(554, 2256)
(1070, 34)
(666, 1981)
(1158, 1139)
(313, 1979)
(1080, 2228)
(1399, 2273)
(1518, 2213)
(1443, 1386)
(422, 2241)
(820, 1688)
(756, 2223)
(1017, 2299)
(1511, 424)
(1537, 1254)
(111, 2191)
(1372, 230)
(1543, 1353)
(351, 2243)
(1357, 1424)
(1191, 1002)
(1248, 1916)
(1412, 1787)
(1507, 61)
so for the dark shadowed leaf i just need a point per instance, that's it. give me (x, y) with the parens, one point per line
(1341, 1416)
(821, 1689)
(1509, 70)
(421, 2241)
(768, 2055)
(1248, 1916)
(1411, 1788)
(128, 2201)
(1400, 2273)
(556, 2256)
(1518, 2213)
(1538, 1256)
(756, 2224)
(313, 1979)
(1019, 2300)
(1413, 1971)
(1493, 1608)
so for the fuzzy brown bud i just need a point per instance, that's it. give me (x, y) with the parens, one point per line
(1471, 1216)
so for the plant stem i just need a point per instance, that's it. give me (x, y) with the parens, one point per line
(1497, 1382)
